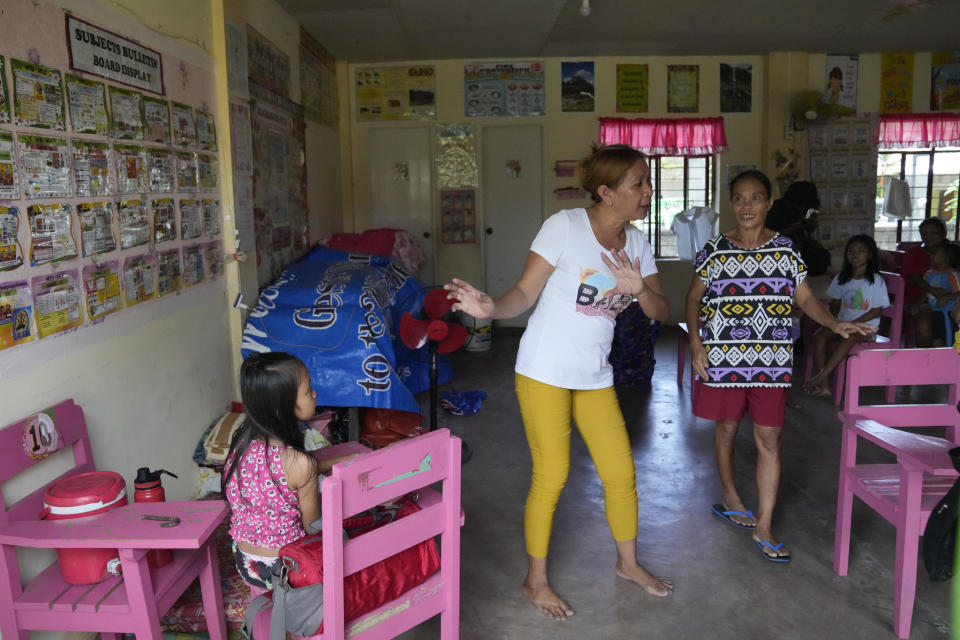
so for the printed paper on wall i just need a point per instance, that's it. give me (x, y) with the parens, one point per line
(156, 119)
(101, 289)
(168, 272)
(9, 176)
(139, 280)
(193, 270)
(131, 164)
(45, 167)
(16, 314)
(56, 302)
(37, 96)
(184, 129)
(164, 220)
(206, 131)
(191, 219)
(88, 106)
(91, 168)
(11, 254)
(633, 88)
(136, 226)
(211, 217)
(51, 233)
(96, 227)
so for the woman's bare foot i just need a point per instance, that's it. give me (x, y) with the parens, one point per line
(654, 585)
(548, 602)
(772, 547)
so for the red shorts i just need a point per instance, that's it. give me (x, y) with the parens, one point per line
(767, 405)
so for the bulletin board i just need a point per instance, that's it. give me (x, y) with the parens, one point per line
(87, 164)
(280, 215)
(843, 165)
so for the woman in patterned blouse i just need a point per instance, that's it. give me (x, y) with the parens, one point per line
(742, 293)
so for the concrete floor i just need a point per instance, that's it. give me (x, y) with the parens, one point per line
(724, 589)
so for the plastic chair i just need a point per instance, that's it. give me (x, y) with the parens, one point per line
(381, 476)
(906, 491)
(130, 603)
(895, 287)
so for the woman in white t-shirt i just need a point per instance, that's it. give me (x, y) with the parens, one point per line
(860, 293)
(585, 266)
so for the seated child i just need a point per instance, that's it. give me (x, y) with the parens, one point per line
(946, 286)
(860, 293)
(268, 479)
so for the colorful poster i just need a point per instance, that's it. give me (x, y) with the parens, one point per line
(44, 167)
(211, 218)
(213, 256)
(88, 106)
(456, 155)
(191, 219)
(138, 280)
(187, 179)
(51, 234)
(16, 314)
(841, 83)
(125, 114)
(577, 86)
(206, 131)
(208, 171)
(633, 88)
(101, 288)
(156, 119)
(91, 168)
(945, 80)
(193, 272)
(131, 169)
(57, 302)
(241, 137)
(37, 96)
(504, 89)
(267, 64)
(164, 220)
(11, 255)
(160, 168)
(736, 87)
(4, 93)
(9, 176)
(96, 227)
(896, 83)
(184, 129)
(683, 88)
(168, 272)
(396, 93)
(458, 221)
(236, 59)
(318, 87)
(135, 225)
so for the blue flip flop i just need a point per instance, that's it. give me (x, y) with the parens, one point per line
(723, 512)
(763, 544)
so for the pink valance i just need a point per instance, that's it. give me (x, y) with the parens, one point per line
(666, 136)
(919, 130)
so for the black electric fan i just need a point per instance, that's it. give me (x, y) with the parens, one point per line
(441, 336)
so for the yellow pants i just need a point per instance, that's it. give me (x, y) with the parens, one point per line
(546, 412)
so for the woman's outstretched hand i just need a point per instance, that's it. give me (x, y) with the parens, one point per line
(469, 299)
(846, 329)
(627, 273)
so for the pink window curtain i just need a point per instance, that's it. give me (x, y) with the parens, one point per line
(666, 136)
(919, 130)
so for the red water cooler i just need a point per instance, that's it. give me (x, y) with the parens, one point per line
(79, 496)
(148, 488)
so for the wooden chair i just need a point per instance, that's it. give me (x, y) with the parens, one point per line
(381, 476)
(903, 492)
(888, 340)
(131, 603)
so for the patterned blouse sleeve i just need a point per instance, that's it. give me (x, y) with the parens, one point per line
(798, 265)
(703, 260)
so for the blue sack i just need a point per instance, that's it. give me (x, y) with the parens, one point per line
(462, 403)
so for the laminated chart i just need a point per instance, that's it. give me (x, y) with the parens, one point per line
(45, 167)
(156, 120)
(135, 225)
(168, 272)
(160, 168)
(125, 114)
(11, 255)
(51, 236)
(9, 176)
(138, 279)
(96, 227)
(101, 289)
(88, 106)
(16, 314)
(193, 272)
(57, 302)
(37, 96)
(164, 220)
(191, 220)
(91, 168)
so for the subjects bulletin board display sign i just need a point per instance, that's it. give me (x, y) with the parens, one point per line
(896, 83)
(504, 89)
(945, 80)
(108, 55)
(633, 88)
(843, 165)
(396, 93)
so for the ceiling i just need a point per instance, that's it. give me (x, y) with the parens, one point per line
(395, 30)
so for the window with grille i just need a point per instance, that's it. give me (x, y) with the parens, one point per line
(679, 182)
(933, 176)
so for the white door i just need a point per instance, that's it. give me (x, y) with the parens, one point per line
(512, 204)
(400, 189)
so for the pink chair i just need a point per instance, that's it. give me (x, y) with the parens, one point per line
(903, 492)
(381, 476)
(889, 340)
(130, 603)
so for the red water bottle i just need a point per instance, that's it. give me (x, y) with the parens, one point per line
(147, 488)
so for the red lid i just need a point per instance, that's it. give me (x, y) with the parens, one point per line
(86, 488)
